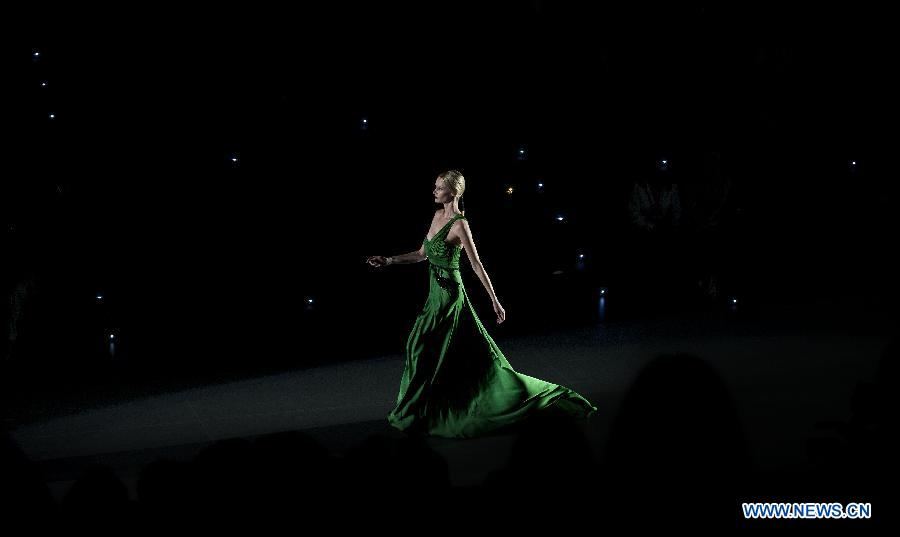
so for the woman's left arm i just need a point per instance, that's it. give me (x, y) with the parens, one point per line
(472, 253)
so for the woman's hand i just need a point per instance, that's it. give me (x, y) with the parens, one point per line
(378, 261)
(501, 313)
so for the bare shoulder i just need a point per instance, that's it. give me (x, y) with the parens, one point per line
(461, 227)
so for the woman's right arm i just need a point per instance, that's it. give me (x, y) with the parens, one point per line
(411, 257)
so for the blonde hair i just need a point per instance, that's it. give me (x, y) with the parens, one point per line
(456, 183)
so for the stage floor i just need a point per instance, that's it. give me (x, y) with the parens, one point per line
(786, 373)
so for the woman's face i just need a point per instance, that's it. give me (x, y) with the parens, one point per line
(442, 194)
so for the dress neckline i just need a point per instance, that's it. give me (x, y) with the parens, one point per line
(445, 225)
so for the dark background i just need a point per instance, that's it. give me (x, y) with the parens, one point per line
(204, 263)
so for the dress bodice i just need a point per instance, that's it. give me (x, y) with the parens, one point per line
(440, 253)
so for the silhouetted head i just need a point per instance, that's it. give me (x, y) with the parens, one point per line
(449, 187)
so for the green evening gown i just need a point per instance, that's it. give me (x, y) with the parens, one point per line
(456, 383)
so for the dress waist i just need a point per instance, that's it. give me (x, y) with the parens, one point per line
(445, 266)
